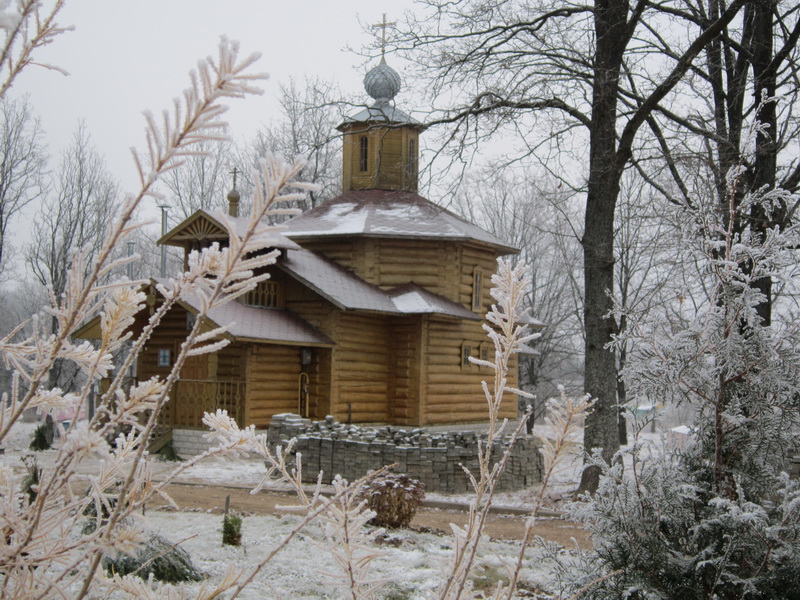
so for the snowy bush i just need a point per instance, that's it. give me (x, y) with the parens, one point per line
(159, 558)
(718, 518)
(393, 497)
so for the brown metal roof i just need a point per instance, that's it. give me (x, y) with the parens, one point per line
(414, 299)
(382, 213)
(335, 283)
(268, 325)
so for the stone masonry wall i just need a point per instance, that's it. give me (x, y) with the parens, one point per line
(189, 442)
(433, 458)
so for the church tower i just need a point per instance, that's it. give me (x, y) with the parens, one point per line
(381, 143)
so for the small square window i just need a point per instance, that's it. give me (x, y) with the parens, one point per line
(466, 352)
(164, 357)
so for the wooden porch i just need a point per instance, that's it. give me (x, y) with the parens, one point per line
(191, 398)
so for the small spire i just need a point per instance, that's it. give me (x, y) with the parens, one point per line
(233, 196)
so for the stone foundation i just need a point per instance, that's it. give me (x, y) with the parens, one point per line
(189, 442)
(435, 458)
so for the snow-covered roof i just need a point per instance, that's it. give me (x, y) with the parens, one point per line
(414, 299)
(335, 283)
(382, 213)
(207, 225)
(252, 323)
(348, 291)
(382, 113)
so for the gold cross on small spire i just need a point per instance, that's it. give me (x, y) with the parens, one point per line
(383, 26)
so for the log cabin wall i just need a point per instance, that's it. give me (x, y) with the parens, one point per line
(452, 388)
(272, 378)
(170, 333)
(474, 258)
(360, 368)
(442, 267)
(392, 156)
(405, 380)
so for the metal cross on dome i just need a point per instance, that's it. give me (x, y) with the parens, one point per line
(235, 172)
(383, 26)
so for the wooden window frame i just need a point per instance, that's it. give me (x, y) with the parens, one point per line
(477, 289)
(483, 351)
(466, 352)
(412, 159)
(164, 358)
(363, 154)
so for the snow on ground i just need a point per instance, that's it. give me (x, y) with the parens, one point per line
(302, 569)
(413, 562)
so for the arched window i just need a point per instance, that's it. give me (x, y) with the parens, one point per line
(363, 154)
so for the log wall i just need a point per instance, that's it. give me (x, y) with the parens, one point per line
(360, 368)
(273, 377)
(453, 391)
(388, 158)
(405, 393)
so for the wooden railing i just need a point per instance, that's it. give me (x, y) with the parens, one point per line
(191, 398)
(268, 294)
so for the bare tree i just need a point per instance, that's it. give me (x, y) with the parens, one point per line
(22, 161)
(73, 219)
(580, 65)
(202, 182)
(309, 116)
(535, 215)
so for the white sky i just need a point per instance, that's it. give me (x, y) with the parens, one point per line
(128, 56)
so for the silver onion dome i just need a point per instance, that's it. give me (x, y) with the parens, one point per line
(382, 82)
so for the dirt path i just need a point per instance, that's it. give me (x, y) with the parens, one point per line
(506, 527)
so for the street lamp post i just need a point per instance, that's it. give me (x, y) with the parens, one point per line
(164, 208)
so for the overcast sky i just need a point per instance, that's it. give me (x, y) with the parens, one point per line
(125, 57)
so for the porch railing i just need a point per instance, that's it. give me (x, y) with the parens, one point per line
(191, 398)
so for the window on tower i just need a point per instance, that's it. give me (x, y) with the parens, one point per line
(412, 159)
(363, 153)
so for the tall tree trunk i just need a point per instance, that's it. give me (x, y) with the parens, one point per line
(765, 164)
(598, 240)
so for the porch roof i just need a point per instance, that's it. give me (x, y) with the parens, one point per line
(256, 324)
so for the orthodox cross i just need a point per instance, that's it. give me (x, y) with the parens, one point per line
(235, 172)
(383, 26)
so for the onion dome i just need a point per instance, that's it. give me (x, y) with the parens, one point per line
(382, 83)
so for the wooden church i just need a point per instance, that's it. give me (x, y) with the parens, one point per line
(371, 311)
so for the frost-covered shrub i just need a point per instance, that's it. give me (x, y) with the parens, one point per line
(165, 561)
(394, 498)
(718, 518)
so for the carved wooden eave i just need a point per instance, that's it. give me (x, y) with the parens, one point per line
(204, 227)
(199, 227)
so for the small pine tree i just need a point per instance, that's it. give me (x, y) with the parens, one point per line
(231, 529)
(39, 442)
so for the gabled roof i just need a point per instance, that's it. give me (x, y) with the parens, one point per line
(333, 282)
(348, 291)
(204, 225)
(382, 213)
(246, 323)
(254, 324)
(414, 299)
